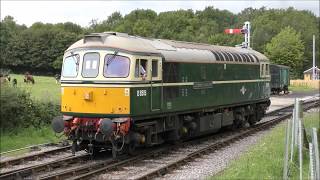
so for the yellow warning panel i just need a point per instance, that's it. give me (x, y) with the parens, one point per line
(95, 100)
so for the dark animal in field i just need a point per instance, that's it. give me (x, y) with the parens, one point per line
(28, 78)
(57, 78)
(8, 78)
(4, 78)
(14, 82)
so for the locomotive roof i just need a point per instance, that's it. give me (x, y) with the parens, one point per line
(172, 51)
(280, 66)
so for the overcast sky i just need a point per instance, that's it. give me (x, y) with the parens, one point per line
(81, 12)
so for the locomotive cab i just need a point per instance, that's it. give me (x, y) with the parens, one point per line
(96, 90)
(98, 83)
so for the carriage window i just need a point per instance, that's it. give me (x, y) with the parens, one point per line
(70, 66)
(141, 68)
(90, 66)
(116, 66)
(154, 68)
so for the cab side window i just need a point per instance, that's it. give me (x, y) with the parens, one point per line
(154, 68)
(141, 68)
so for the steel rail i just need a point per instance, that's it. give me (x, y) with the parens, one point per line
(109, 164)
(32, 157)
(44, 167)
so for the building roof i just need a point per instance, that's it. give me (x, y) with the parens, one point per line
(310, 70)
(172, 51)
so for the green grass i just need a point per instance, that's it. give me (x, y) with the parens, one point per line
(45, 88)
(27, 137)
(301, 88)
(265, 159)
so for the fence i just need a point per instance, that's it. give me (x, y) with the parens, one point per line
(306, 83)
(296, 143)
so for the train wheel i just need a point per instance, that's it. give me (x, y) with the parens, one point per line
(74, 147)
(114, 152)
(241, 120)
(252, 119)
(131, 149)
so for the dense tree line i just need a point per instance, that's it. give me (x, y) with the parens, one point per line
(284, 35)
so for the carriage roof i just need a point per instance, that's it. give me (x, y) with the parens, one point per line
(172, 51)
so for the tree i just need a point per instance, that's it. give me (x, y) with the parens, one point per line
(39, 48)
(225, 39)
(8, 30)
(287, 48)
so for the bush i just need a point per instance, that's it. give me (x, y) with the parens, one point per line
(18, 110)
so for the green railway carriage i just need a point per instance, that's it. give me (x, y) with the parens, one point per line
(280, 78)
(124, 91)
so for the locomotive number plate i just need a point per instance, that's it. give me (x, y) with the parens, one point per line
(141, 92)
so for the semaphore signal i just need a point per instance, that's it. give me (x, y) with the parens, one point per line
(232, 31)
(245, 30)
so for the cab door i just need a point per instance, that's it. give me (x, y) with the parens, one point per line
(156, 83)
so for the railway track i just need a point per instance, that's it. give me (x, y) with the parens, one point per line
(163, 169)
(32, 171)
(159, 161)
(34, 156)
(79, 170)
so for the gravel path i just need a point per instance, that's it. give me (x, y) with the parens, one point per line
(215, 162)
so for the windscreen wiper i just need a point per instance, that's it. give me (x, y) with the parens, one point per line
(112, 57)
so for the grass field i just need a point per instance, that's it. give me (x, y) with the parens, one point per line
(27, 137)
(265, 159)
(301, 88)
(45, 88)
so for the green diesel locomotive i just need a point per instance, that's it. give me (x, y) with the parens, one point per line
(119, 91)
